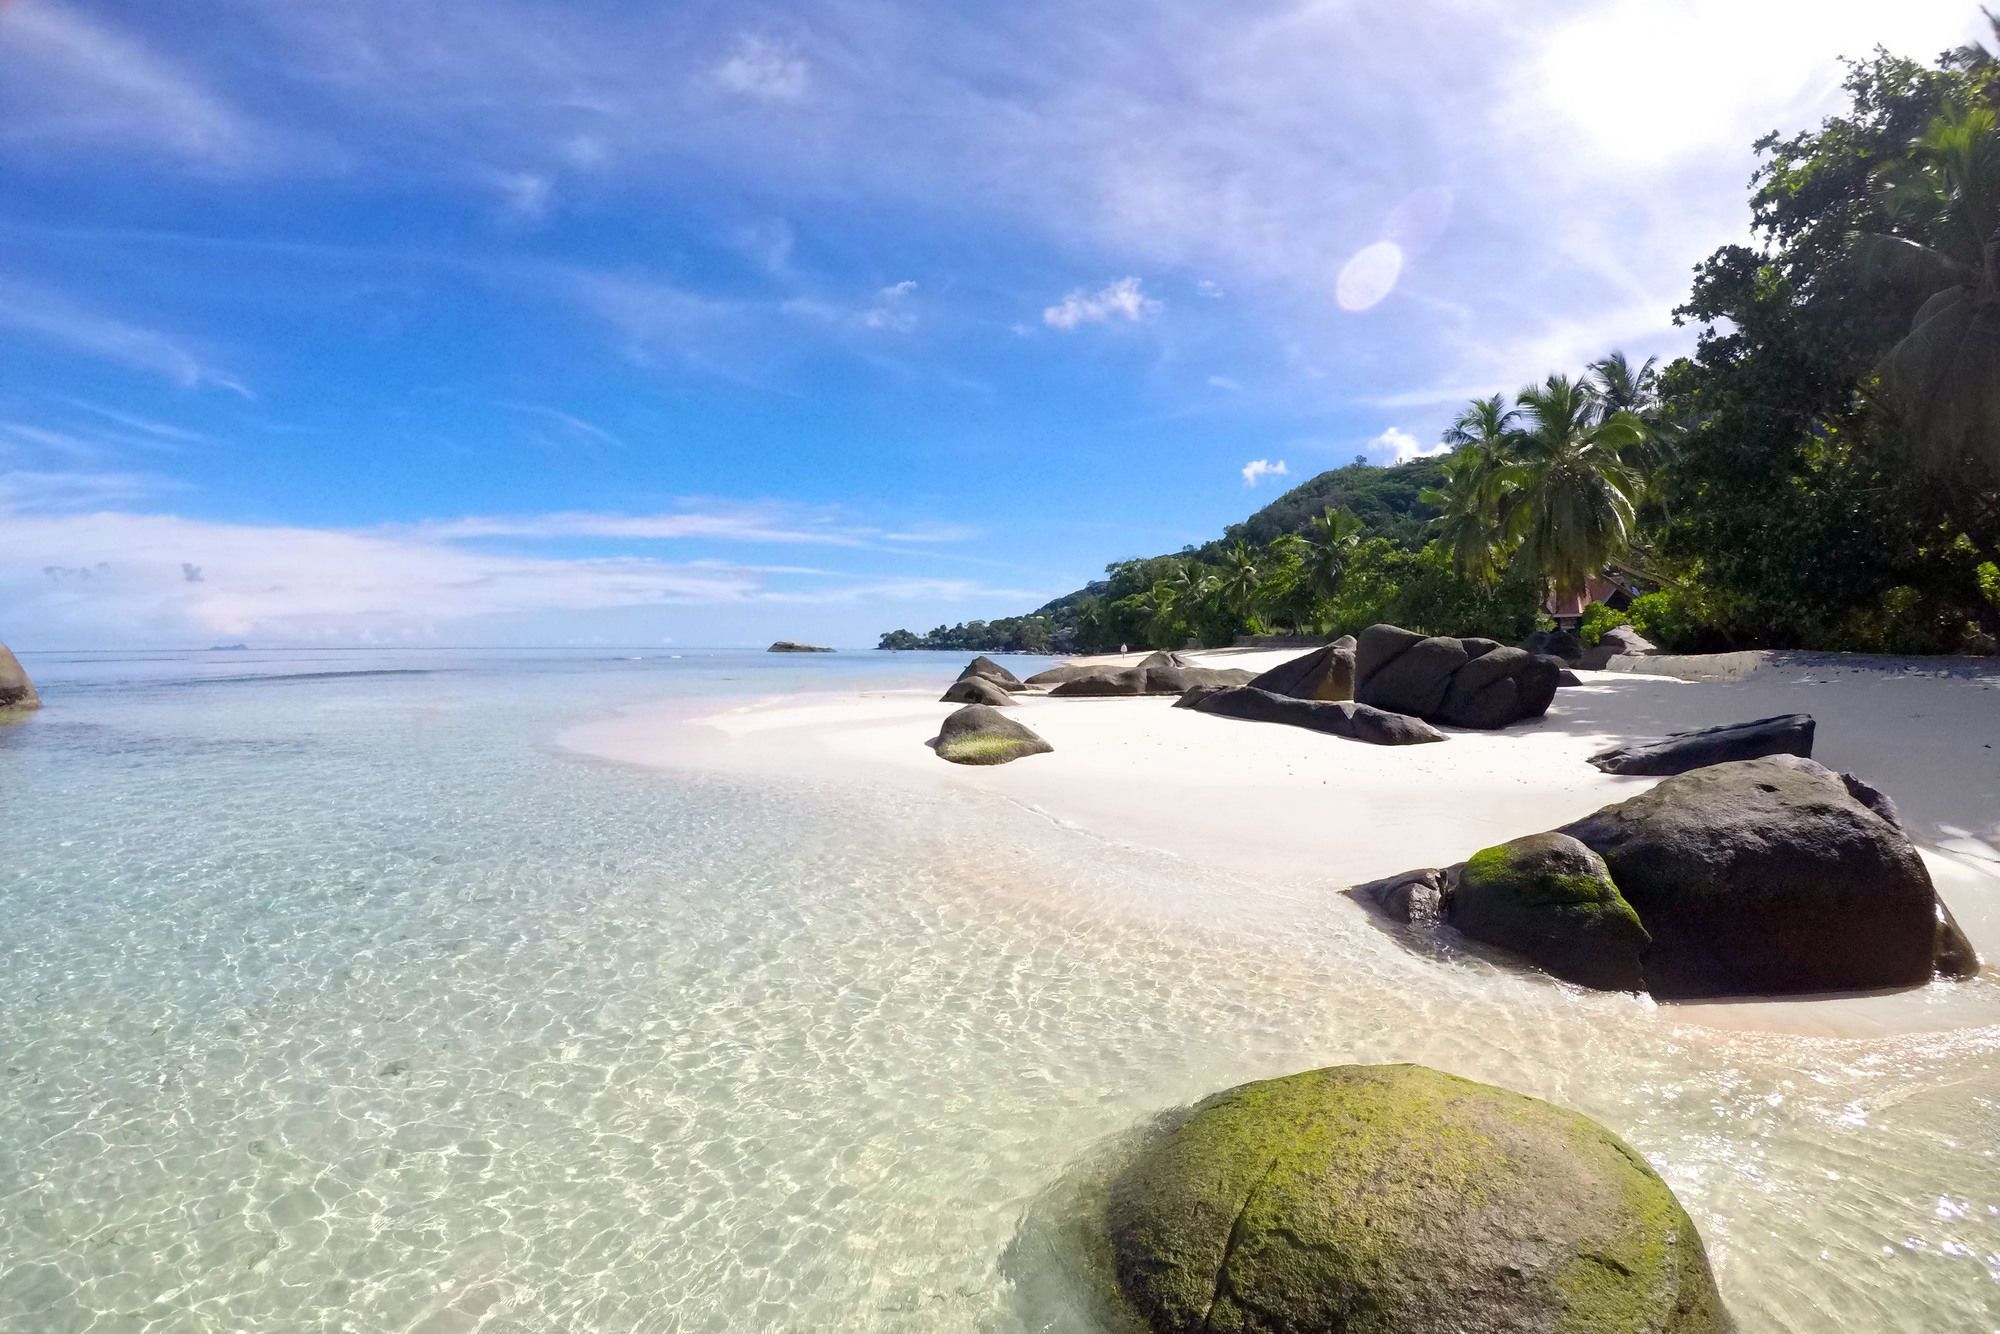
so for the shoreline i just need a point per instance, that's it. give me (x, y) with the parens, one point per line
(1295, 812)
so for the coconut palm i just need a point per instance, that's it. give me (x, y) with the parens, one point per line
(1239, 579)
(1469, 502)
(1331, 539)
(1622, 387)
(1569, 495)
(1942, 380)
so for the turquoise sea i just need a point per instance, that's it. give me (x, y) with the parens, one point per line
(334, 996)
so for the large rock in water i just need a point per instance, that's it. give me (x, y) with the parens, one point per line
(1339, 717)
(1395, 1199)
(976, 690)
(981, 734)
(1325, 673)
(17, 692)
(985, 669)
(1678, 752)
(1459, 682)
(1550, 898)
(1774, 876)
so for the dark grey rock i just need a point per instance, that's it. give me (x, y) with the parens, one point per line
(1148, 678)
(1678, 752)
(988, 670)
(1770, 877)
(1414, 896)
(1325, 673)
(1337, 717)
(977, 690)
(1413, 681)
(1562, 644)
(1055, 676)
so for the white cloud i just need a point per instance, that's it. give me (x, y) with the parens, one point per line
(892, 308)
(527, 196)
(765, 69)
(1225, 383)
(65, 78)
(108, 575)
(1124, 299)
(1209, 288)
(54, 318)
(1256, 470)
(1399, 446)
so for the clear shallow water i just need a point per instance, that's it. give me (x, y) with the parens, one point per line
(341, 1002)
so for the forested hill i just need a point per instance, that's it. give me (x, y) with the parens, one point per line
(1385, 499)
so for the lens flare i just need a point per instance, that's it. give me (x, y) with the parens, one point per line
(1369, 276)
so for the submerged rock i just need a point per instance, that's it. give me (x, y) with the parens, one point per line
(981, 734)
(1339, 717)
(1678, 752)
(17, 692)
(1414, 896)
(1550, 899)
(976, 690)
(1402, 1200)
(1325, 674)
(1773, 876)
(985, 669)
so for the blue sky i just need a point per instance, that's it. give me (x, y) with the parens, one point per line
(404, 321)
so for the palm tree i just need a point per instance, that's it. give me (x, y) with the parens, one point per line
(1238, 582)
(1331, 539)
(1570, 495)
(1620, 387)
(1973, 57)
(1942, 379)
(1469, 503)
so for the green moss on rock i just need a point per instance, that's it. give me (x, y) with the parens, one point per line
(1399, 1200)
(981, 734)
(1552, 899)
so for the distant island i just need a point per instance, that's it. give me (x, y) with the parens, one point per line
(228, 648)
(790, 646)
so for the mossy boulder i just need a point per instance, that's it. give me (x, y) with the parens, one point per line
(1551, 899)
(17, 692)
(1395, 1199)
(981, 734)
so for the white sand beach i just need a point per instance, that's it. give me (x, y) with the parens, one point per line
(1313, 812)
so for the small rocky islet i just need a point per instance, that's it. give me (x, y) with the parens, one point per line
(17, 692)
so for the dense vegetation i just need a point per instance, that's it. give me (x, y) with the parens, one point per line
(1823, 472)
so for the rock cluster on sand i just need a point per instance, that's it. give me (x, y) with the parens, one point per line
(1160, 674)
(1620, 641)
(985, 669)
(1397, 1198)
(1326, 674)
(1562, 644)
(792, 646)
(1339, 717)
(981, 734)
(17, 692)
(977, 690)
(1770, 876)
(1458, 682)
(1678, 752)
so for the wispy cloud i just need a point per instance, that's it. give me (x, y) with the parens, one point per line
(66, 78)
(1124, 299)
(766, 69)
(1256, 470)
(54, 318)
(774, 524)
